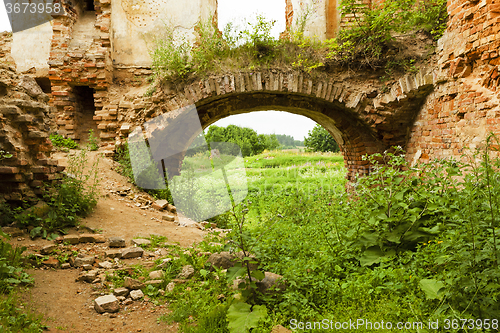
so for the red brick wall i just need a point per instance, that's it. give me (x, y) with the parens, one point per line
(464, 106)
(88, 67)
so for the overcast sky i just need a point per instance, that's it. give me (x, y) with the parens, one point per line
(239, 11)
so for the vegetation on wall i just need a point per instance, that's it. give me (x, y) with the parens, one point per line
(74, 197)
(364, 43)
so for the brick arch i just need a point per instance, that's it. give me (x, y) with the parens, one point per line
(354, 137)
(362, 120)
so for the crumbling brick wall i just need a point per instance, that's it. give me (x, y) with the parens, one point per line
(5, 47)
(24, 125)
(86, 65)
(464, 107)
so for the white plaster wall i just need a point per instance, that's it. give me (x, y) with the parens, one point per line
(316, 19)
(136, 22)
(31, 48)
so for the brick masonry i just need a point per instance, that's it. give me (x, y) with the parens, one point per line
(82, 64)
(464, 106)
(433, 113)
(24, 121)
(362, 121)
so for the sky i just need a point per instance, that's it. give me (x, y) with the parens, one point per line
(239, 11)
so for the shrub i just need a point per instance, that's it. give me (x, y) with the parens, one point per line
(76, 197)
(61, 142)
(93, 141)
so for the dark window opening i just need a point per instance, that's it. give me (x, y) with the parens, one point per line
(89, 5)
(84, 112)
(44, 83)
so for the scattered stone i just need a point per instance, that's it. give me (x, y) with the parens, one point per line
(161, 291)
(116, 242)
(280, 329)
(160, 204)
(156, 275)
(79, 261)
(87, 276)
(113, 254)
(71, 239)
(132, 284)
(132, 252)
(66, 265)
(187, 272)
(106, 265)
(136, 294)
(154, 282)
(128, 301)
(202, 254)
(14, 232)
(99, 239)
(214, 244)
(171, 208)
(140, 241)
(96, 281)
(121, 292)
(51, 262)
(164, 263)
(168, 217)
(170, 287)
(222, 260)
(87, 267)
(270, 280)
(88, 238)
(108, 303)
(121, 298)
(48, 249)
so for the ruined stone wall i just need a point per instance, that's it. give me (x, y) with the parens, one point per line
(464, 106)
(5, 47)
(24, 124)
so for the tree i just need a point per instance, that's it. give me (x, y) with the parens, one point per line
(246, 138)
(318, 139)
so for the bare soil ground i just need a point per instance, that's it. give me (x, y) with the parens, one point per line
(68, 305)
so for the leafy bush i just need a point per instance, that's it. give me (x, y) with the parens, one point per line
(12, 318)
(93, 141)
(11, 273)
(247, 139)
(370, 31)
(319, 140)
(61, 142)
(75, 197)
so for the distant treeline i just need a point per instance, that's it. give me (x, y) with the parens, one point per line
(252, 143)
(288, 142)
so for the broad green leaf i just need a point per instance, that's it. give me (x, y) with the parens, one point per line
(235, 272)
(35, 232)
(204, 272)
(52, 236)
(371, 256)
(242, 317)
(259, 275)
(431, 288)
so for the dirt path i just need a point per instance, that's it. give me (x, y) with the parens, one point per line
(68, 305)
